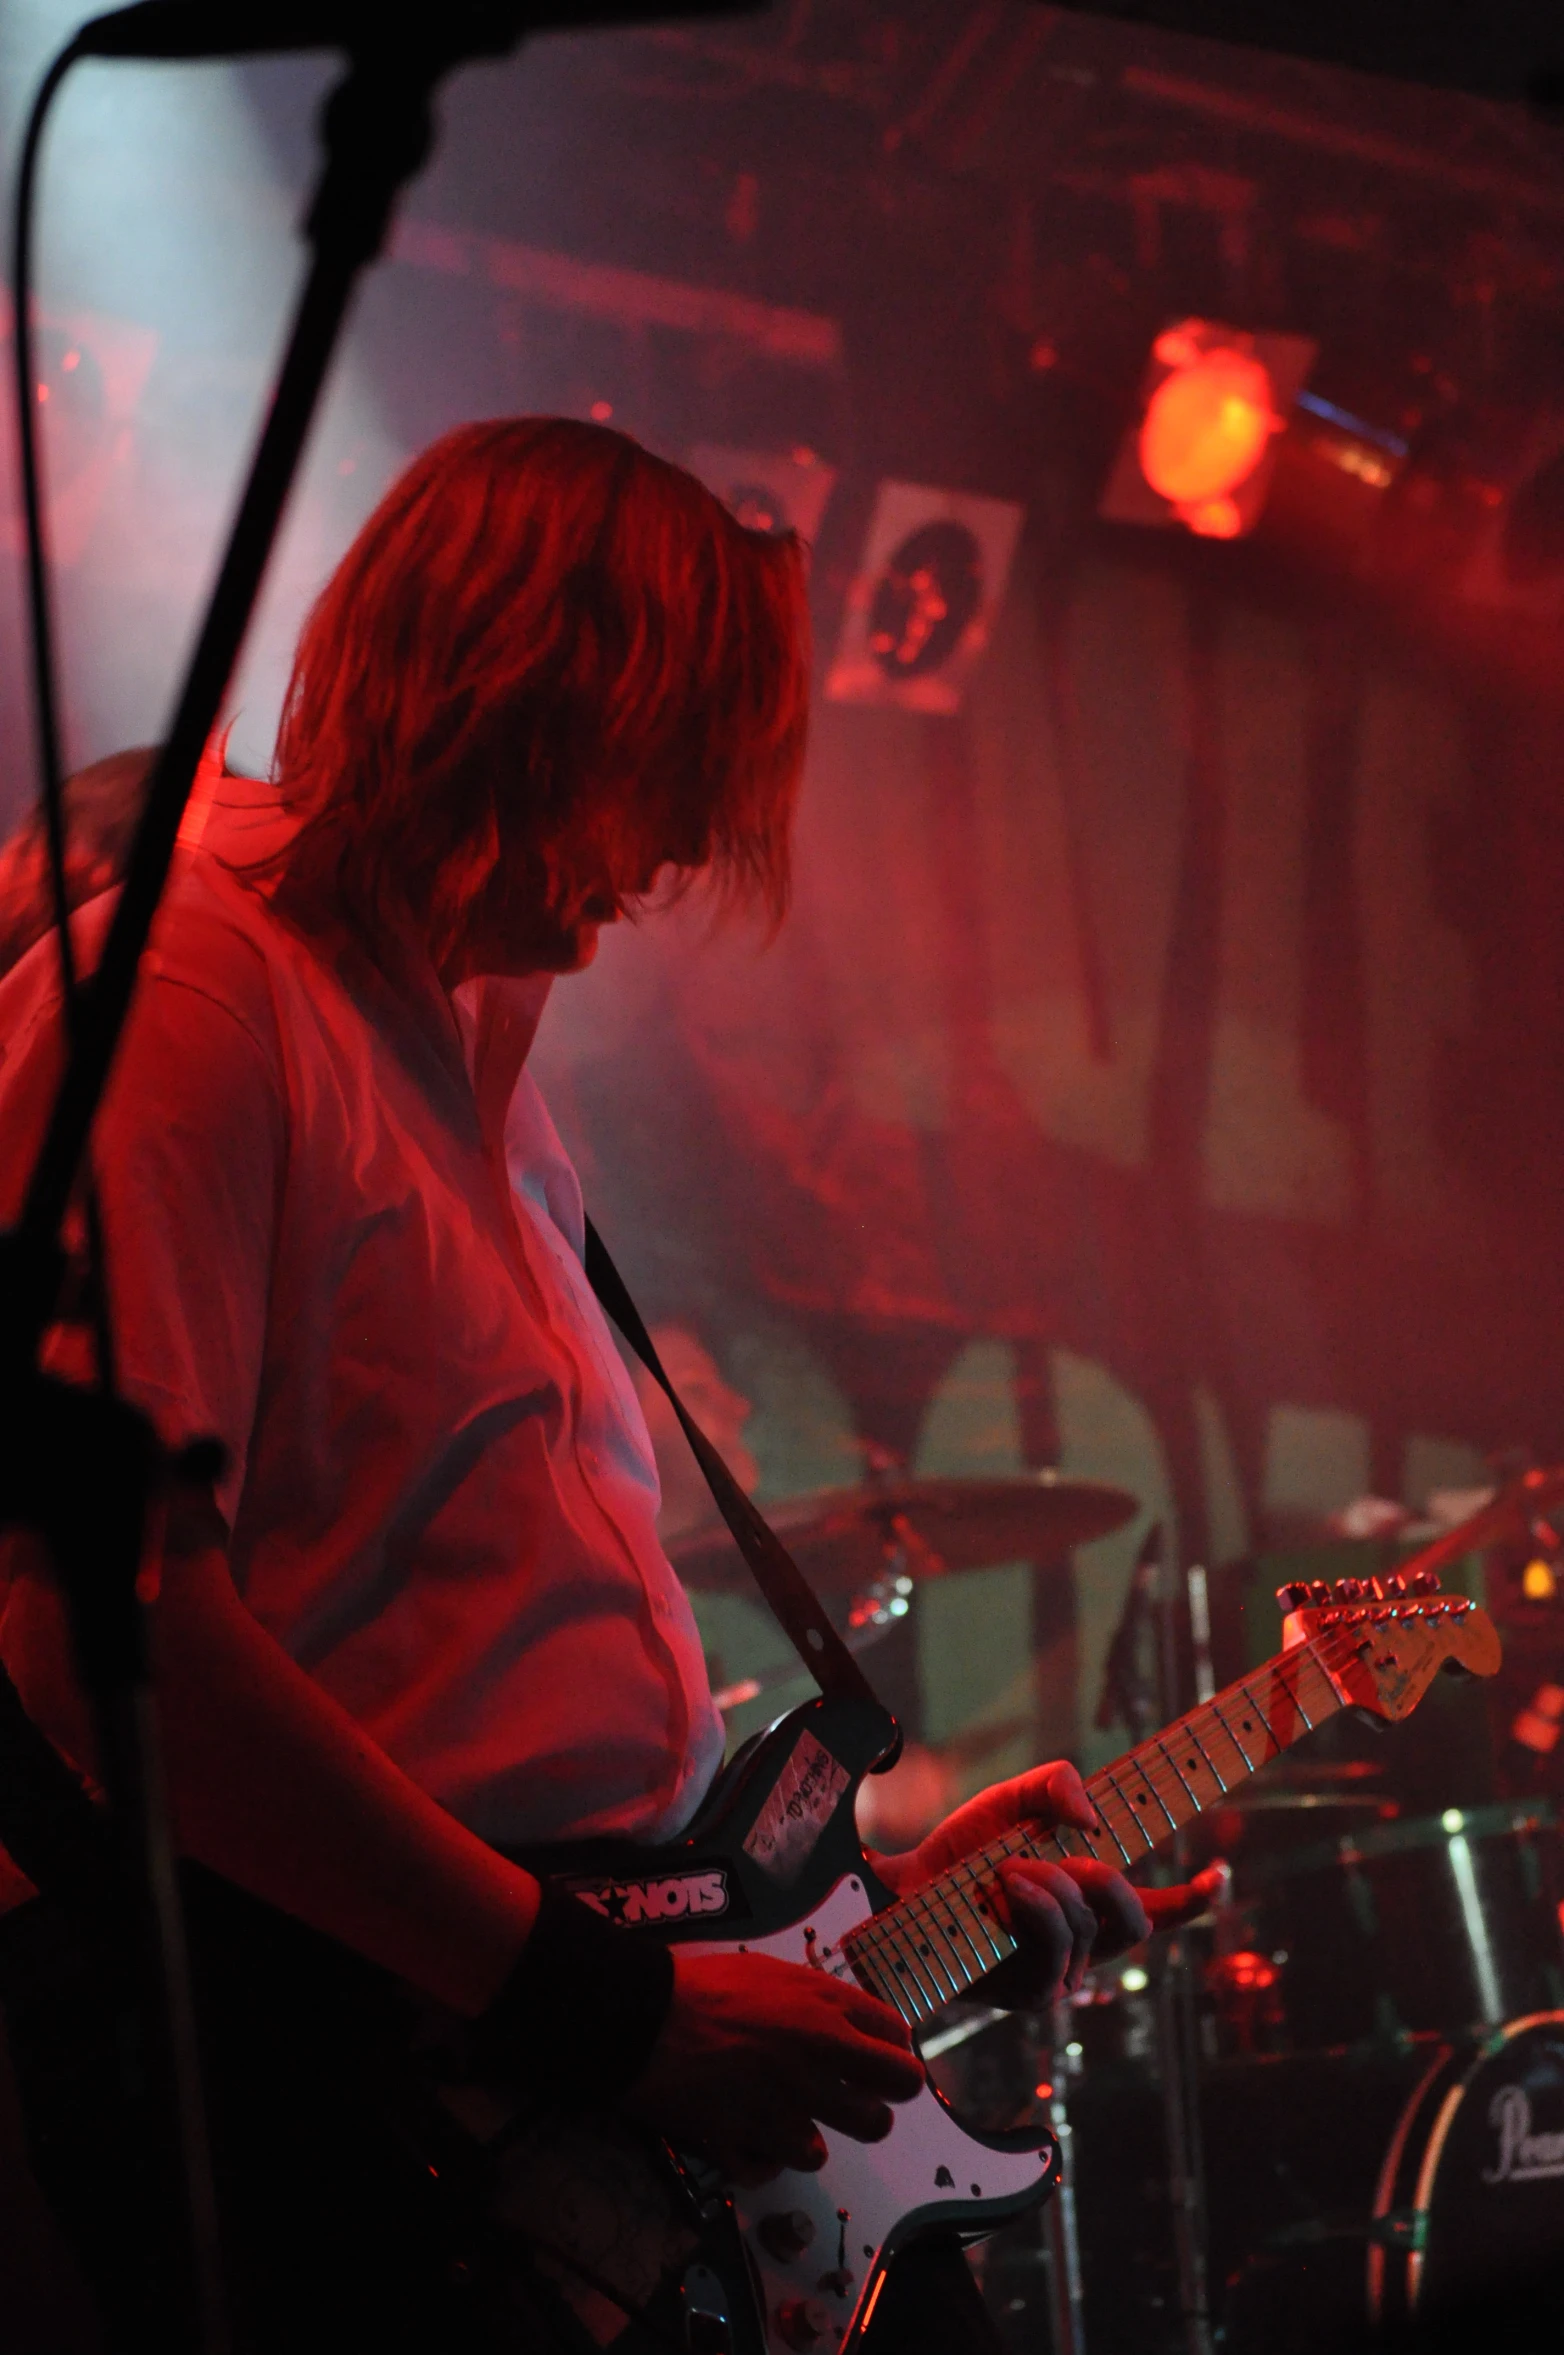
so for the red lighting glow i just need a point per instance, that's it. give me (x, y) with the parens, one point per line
(1214, 399)
(1206, 428)
(1213, 519)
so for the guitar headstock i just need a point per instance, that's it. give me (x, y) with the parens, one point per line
(1382, 1641)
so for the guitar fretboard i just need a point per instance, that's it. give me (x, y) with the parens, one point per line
(925, 1950)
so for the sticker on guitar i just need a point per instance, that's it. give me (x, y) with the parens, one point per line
(669, 1897)
(802, 1802)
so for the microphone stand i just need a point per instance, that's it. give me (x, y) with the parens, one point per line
(83, 1469)
(1177, 2024)
(1129, 1696)
(1131, 1684)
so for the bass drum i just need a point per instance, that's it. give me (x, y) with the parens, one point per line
(1458, 2244)
(1468, 2233)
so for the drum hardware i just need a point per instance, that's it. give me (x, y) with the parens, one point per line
(1061, 2220)
(1516, 1512)
(885, 1599)
(1469, 2207)
(1177, 2042)
(1246, 1993)
(1421, 1924)
(1243, 1986)
(1141, 1688)
(1422, 2205)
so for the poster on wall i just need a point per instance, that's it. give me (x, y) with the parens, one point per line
(925, 598)
(768, 490)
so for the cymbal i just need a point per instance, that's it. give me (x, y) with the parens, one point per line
(843, 1539)
(1505, 1519)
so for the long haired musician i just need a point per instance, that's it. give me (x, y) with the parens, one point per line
(423, 1621)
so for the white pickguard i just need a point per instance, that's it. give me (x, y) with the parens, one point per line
(868, 2197)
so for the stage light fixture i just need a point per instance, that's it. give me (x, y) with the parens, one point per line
(1206, 428)
(1214, 399)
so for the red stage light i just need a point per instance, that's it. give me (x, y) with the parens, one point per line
(1206, 428)
(1214, 399)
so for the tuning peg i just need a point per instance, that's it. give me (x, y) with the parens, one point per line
(1296, 1595)
(1319, 1593)
(1425, 1582)
(1349, 1590)
(1396, 1586)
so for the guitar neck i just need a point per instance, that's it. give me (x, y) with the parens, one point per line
(926, 1949)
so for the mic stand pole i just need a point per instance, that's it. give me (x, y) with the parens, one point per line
(1061, 2220)
(1128, 1697)
(1177, 2046)
(80, 1467)
(377, 130)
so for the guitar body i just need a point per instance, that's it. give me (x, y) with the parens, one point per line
(374, 2176)
(773, 1865)
(380, 2192)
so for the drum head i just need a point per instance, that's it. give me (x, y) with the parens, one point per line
(1470, 2223)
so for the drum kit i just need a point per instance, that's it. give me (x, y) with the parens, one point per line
(1331, 2116)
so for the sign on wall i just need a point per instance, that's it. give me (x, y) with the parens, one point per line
(927, 593)
(768, 490)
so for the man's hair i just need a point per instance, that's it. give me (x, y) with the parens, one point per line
(102, 805)
(541, 621)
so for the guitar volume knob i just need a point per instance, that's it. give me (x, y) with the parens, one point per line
(785, 2234)
(803, 2323)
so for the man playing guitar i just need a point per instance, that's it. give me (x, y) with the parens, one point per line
(424, 1621)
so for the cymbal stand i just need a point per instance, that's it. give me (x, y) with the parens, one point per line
(1128, 1697)
(1177, 2026)
(1061, 2225)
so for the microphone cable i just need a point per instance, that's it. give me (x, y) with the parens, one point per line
(41, 634)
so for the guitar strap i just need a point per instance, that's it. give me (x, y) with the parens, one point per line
(783, 1586)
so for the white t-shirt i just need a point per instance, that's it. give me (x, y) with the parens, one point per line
(441, 1493)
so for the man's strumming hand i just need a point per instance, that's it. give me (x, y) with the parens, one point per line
(756, 2055)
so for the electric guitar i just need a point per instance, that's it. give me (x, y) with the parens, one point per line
(773, 1865)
